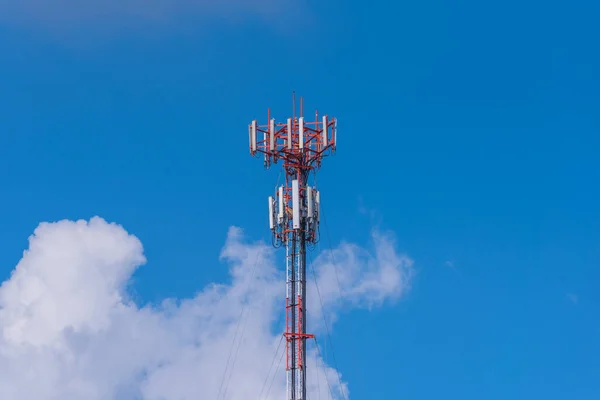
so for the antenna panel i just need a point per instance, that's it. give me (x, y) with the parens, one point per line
(253, 137)
(271, 213)
(250, 138)
(301, 132)
(272, 135)
(318, 205)
(280, 212)
(265, 143)
(295, 205)
(335, 134)
(309, 202)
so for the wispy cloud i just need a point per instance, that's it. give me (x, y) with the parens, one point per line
(69, 14)
(68, 329)
(573, 298)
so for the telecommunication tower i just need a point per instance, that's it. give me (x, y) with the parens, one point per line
(294, 214)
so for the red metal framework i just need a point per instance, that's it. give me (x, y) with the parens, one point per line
(294, 214)
(299, 143)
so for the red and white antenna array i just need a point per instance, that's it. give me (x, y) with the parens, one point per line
(294, 214)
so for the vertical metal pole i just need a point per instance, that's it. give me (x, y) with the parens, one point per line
(302, 285)
(293, 304)
(288, 284)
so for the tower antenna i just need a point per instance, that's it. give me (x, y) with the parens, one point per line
(294, 214)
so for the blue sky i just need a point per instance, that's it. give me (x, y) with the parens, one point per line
(469, 129)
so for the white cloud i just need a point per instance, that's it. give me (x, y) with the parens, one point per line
(69, 331)
(350, 275)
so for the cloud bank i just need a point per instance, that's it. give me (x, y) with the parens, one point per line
(69, 331)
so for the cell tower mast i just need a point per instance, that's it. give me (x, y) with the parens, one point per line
(294, 213)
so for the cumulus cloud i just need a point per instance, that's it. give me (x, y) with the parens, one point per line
(68, 330)
(352, 276)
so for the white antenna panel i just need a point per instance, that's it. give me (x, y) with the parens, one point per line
(271, 213)
(309, 201)
(295, 205)
(280, 213)
(324, 132)
(301, 132)
(335, 134)
(289, 141)
(272, 134)
(265, 142)
(253, 136)
(318, 205)
(250, 138)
